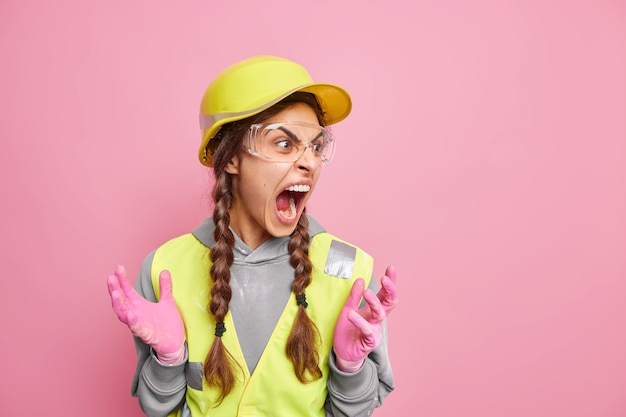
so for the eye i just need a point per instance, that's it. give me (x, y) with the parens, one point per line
(317, 146)
(284, 144)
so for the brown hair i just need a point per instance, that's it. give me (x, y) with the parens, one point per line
(304, 338)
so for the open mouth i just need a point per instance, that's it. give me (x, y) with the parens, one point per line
(289, 201)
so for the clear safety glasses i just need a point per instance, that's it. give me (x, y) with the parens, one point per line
(287, 141)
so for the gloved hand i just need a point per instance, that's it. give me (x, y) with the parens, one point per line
(359, 331)
(157, 324)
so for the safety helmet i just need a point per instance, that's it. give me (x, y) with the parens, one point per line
(257, 83)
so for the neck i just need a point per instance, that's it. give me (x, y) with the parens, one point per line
(250, 232)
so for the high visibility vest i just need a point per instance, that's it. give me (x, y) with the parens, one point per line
(273, 389)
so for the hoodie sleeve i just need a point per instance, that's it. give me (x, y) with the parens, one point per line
(159, 387)
(358, 394)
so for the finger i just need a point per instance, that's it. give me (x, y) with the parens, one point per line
(120, 273)
(118, 302)
(118, 299)
(391, 272)
(355, 294)
(165, 285)
(388, 295)
(113, 284)
(368, 331)
(132, 320)
(390, 275)
(377, 312)
(360, 323)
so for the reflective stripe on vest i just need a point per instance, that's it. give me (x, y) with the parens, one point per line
(273, 389)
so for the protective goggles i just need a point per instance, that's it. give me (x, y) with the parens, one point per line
(287, 141)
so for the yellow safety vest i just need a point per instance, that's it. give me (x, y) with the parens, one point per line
(273, 390)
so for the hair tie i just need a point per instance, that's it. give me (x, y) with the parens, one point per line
(301, 300)
(219, 329)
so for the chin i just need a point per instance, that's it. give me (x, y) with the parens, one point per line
(283, 229)
(283, 232)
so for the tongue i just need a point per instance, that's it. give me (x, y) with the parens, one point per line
(282, 202)
(286, 205)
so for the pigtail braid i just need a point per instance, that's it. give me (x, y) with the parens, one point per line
(304, 338)
(218, 367)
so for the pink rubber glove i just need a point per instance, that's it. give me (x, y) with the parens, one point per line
(157, 324)
(359, 331)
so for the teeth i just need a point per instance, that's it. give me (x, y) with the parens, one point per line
(292, 207)
(299, 188)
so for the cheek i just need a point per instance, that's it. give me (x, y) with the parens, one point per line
(257, 190)
(259, 182)
(316, 176)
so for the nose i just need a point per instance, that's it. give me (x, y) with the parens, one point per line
(308, 160)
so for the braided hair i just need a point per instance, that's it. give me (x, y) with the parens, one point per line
(304, 338)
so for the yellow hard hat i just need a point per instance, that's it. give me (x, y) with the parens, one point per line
(257, 83)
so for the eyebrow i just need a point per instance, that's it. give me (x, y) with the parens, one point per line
(289, 133)
(293, 137)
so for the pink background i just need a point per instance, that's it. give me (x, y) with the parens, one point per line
(485, 157)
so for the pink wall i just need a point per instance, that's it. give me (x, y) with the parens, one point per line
(485, 157)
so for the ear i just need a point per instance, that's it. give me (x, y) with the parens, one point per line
(233, 165)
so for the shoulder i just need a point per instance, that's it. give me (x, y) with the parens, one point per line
(180, 246)
(321, 239)
(189, 245)
(315, 227)
(202, 234)
(340, 258)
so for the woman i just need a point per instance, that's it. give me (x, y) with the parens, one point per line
(258, 308)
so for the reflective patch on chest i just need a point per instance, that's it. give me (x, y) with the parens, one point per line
(340, 260)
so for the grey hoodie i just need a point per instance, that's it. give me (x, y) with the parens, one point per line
(257, 276)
